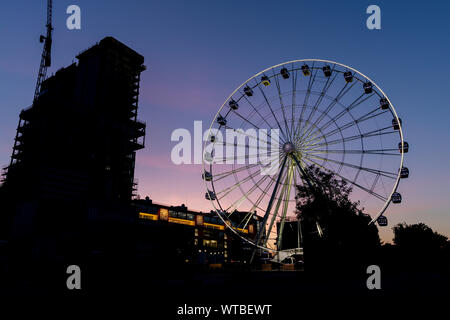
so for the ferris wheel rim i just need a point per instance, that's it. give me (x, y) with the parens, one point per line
(391, 109)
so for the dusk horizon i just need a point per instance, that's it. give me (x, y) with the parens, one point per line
(203, 70)
(207, 159)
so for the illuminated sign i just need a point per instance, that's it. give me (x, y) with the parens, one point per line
(214, 226)
(148, 216)
(182, 221)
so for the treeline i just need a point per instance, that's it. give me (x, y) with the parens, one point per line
(416, 247)
(337, 234)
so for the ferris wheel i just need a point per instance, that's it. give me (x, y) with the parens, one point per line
(288, 118)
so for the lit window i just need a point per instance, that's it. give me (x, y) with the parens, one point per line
(163, 213)
(148, 216)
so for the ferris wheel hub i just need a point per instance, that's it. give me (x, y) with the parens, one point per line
(288, 147)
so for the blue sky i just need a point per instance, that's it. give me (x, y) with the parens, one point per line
(198, 52)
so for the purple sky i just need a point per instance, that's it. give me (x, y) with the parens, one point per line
(198, 52)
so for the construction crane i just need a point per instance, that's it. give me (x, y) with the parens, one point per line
(46, 59)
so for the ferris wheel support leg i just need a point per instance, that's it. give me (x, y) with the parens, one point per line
(319, 229)
(277, 207)
(303, 172)
(269, 207)
(285, 208)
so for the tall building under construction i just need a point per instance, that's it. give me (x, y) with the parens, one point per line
(74, 152)
(79, 139)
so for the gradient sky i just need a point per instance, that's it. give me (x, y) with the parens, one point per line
(198, 52)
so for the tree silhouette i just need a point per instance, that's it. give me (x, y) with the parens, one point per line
(418, 236)
(347, 238)
(418, 247)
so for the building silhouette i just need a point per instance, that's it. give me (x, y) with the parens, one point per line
(187, 236)
(79, 139)
(68, 188)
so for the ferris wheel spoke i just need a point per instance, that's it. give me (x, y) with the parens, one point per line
(238, 183)
(257, 186)
(226, 174)
(347, 110)
(256, 111)
(277, 82)
(235, 144)
(234, 206)
(264, 192)
(246, 120)
(227, 191)
(312, 137)
(294, 96)
(252, 124)
(325, 88)
(246, 220)
(255, 206)
(374, 151)
(355, 122)
(353, 105)
(375, 181)
(305, 101)
(261, 197)
(227, 160)
(383, 173)
(373, 193)
(335, 101)
(273, 114)
(374, 133)
(243, 132)
(254, 137)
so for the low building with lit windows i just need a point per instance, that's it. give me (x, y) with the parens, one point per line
(188, 236)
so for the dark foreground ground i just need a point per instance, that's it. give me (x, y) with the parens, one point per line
(159, 292)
